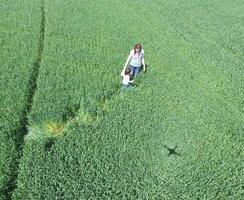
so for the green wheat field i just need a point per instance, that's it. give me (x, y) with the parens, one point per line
(68, 133)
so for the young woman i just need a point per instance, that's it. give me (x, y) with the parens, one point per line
(135, 60)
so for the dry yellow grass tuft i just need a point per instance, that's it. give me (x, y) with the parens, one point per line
(54, 128)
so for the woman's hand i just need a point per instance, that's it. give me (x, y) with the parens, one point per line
(144, 68)
(143, 63)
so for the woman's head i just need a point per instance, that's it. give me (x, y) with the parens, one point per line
(137, 48)
(127, 71)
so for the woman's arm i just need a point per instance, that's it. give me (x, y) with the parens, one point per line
(127, 62)
(143, 63)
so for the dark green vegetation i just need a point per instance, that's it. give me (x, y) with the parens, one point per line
(87, 141)
(19, 38)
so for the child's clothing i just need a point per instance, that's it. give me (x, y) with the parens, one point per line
(126, 82)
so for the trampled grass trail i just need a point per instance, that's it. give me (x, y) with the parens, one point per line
(191, 96)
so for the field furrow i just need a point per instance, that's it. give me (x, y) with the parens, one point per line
(20, 31)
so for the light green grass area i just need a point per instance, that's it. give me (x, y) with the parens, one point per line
(87, 140)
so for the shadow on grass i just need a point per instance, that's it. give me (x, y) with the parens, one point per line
(172, 151)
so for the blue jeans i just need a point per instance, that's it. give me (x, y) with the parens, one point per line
(134, 70)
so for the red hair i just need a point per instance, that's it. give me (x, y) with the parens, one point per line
(138, 45)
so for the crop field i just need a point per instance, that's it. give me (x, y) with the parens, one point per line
(66, 130)
(19, 35)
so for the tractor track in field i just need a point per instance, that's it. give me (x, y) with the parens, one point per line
(37, 63)
(11, 184)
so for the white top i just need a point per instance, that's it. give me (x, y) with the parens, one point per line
(136, 59)
(126, 80)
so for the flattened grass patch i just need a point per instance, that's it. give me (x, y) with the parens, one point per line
(103, 104)
(86, 118)
(54, 129)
